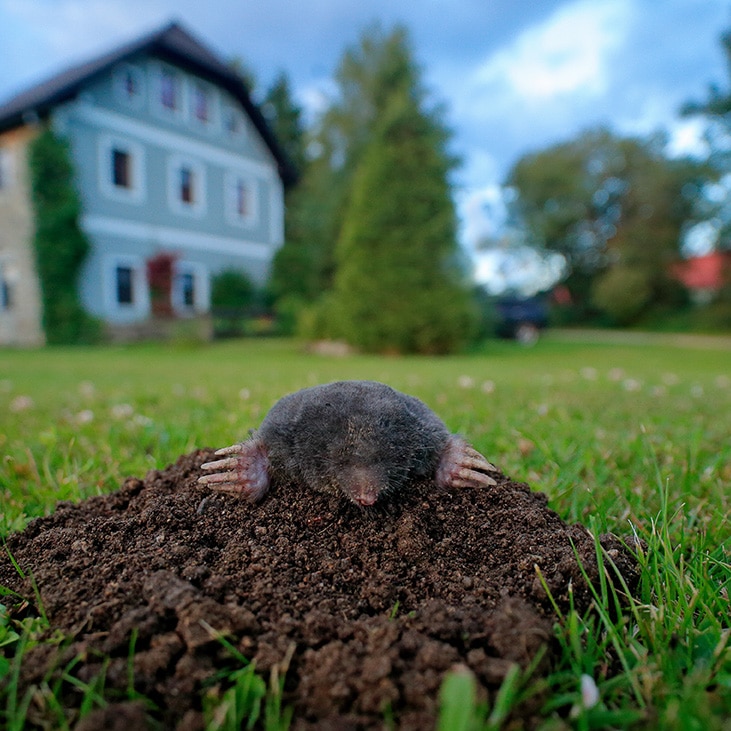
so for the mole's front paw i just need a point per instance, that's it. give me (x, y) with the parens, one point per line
(463, 466)
(244, 471)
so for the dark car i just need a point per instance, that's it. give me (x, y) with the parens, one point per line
(521, 318)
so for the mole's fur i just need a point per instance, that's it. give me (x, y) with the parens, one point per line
(360, 437)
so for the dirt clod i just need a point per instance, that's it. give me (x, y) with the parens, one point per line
(367, 608)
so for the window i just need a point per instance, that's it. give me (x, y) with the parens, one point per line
(121, 168)
(242, 202)
(6, 295)
(187, 287)
(186, 186)
(6, 172)
(8, 277)
(187, 183)
(201, 104)
(190, 288)
(169, 90)
(129, 84)
(125, 289)
(124, 277)
(233, 122)
(241, 199)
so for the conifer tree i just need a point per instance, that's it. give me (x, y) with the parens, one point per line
(398, 285)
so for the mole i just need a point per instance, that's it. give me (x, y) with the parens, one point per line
(362, 438)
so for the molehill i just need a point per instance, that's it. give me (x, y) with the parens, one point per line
(369, 608)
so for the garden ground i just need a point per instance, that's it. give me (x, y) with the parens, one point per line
(629, 439)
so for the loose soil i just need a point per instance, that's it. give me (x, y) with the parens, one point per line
(365, 609)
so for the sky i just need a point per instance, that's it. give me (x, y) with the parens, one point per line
(515, 76)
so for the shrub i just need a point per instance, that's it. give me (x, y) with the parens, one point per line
(59, 244)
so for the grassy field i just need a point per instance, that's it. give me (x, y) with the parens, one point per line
(624, 438)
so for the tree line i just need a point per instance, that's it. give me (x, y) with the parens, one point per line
(371, 253)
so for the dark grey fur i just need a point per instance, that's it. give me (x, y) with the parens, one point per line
(360, 437)
(326, 434)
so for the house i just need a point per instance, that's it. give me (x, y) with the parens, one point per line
(172, 158)
(705, 276)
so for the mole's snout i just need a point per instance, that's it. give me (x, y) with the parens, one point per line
(363, 486)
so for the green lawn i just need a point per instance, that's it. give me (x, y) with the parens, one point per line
(621, 437)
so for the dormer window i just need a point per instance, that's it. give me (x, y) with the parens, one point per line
(233, 122)
(201, 104)
(129, 84)
(169, 90)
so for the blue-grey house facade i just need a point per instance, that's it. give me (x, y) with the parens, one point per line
(171, 157)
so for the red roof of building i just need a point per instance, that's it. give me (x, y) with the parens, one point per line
(705, 272)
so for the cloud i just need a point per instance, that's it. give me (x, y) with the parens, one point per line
(568, 54)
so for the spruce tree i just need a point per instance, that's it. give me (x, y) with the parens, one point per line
(398, 286)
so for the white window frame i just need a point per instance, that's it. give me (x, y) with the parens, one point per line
(140, 305)
(136, 192)
(201, 288)
(120, 88)
(231, 183)
(199, 205)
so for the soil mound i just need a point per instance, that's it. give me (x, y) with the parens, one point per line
(365, 609)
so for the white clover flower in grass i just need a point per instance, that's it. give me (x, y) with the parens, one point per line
(21, 403)
(466, 382)
(87, 389)
(122, 411)
(631, 384)
(488, 387)
(589, 691)
(615, 374)
(696, 390)
(589, 373)
(244, 394)
(85, 417)
(589, 695)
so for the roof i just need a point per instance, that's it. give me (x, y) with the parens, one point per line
(704, 272)
(172, 43)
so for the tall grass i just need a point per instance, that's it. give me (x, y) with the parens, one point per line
(624, 438)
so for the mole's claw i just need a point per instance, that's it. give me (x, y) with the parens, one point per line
(219, 477)
(233, 449)
(472, 478)
(246, 474)
(220, 463)
(478, 460)
(463, 466)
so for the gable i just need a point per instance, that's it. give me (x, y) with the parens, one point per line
(175, 48)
